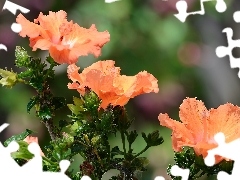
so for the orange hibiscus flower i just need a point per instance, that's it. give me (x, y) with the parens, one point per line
(66, 41)
(30, 139)
(111, 87)
(199, 126)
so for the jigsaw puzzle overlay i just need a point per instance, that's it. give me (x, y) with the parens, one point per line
(33, 168)
(227, 150)
(222, 51)
(15, 27)
(182, 8)
(111, 1)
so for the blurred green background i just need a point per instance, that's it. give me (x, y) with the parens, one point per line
(145, 35)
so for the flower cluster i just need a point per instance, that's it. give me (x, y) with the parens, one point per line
(99, 111)
(66, 41)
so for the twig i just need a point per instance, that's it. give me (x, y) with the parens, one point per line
(49, 125)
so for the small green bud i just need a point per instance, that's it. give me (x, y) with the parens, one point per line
(77, 101)
(9, 78)
(22, 58)
(95, 139)
(68, 138)
(92, 100)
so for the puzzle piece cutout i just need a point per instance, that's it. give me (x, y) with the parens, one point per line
(32, 169)
(159, 178)
(15, 27)
(176, 171)
(182, 9)
(111, 1)
(227, 150)
(222, 51)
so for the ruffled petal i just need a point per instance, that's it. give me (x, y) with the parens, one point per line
(28, 28)
(105, 80)
(225, 119)
(65, 40)
(194, 116)
(181, 136)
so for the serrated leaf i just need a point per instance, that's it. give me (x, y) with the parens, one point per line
(74, 109)
(116, 151)
(153, 139)
(51, 61)
(18, 137)
(31, 103)
(45, 113)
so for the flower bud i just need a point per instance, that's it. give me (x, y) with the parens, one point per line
(8, 79)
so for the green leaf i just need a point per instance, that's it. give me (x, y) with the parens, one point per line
(57, 155)
(23, 152)
(77, 147)
(115, 151)
(153, 138)
(66, 153)
(77, 101)
(75, 109)
(18, 137)
(45, 113)
(74, 126)
(144, 137)
(51, 61)
(131, 136)
(31, 103)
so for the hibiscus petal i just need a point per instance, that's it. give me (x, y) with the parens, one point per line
(72, 71)
(181, 136)
(226, 119)
(61, 56)
(53, 29)
(194, 115)
(28, 28)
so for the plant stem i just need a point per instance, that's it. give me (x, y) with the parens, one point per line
(48, 71)
(49, 125)
(146, 148)
(22, 81)
(123, 142)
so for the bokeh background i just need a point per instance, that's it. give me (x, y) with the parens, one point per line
(145, 35)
